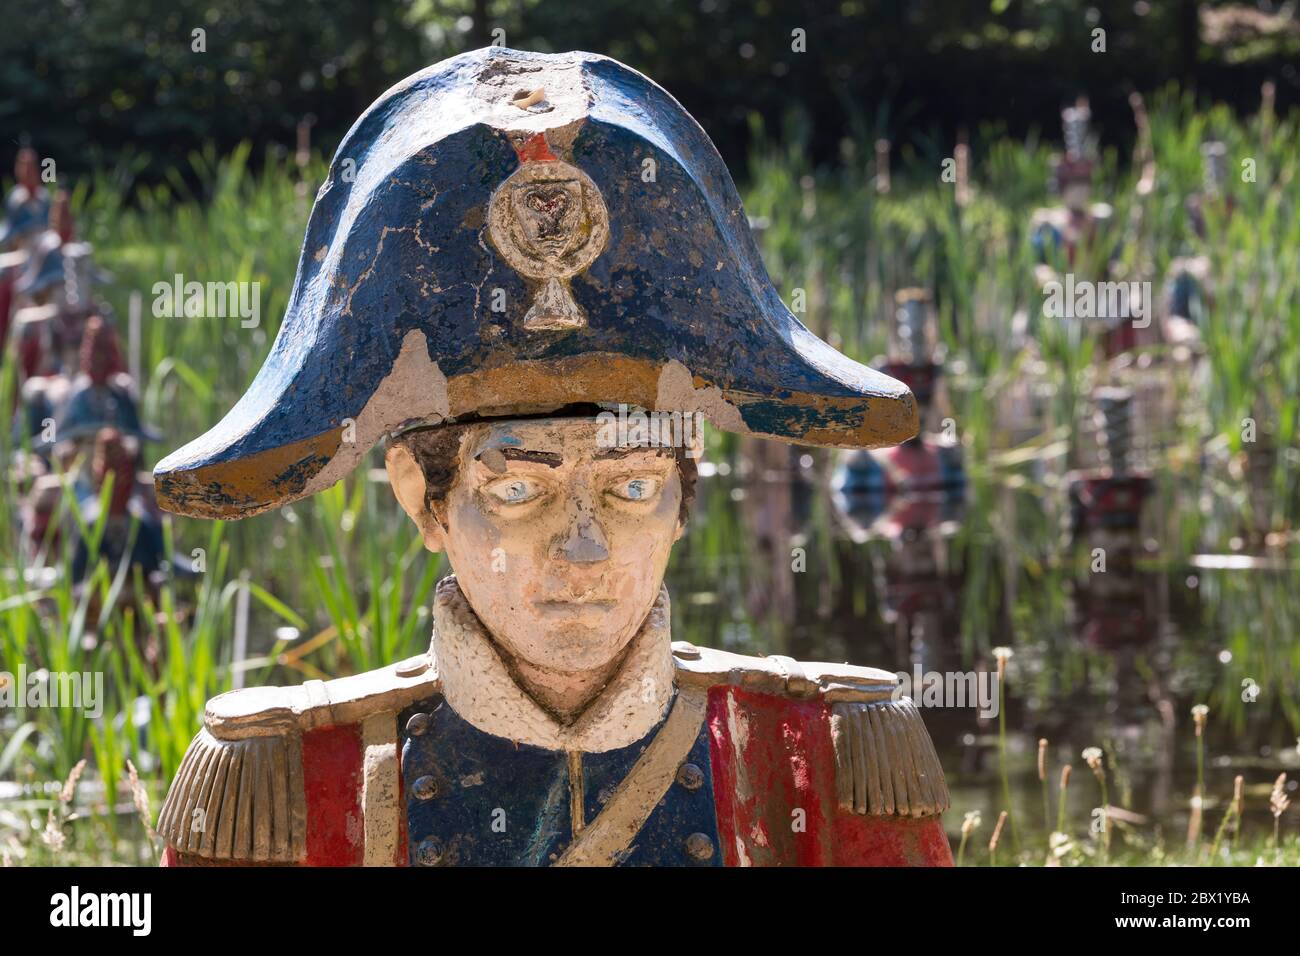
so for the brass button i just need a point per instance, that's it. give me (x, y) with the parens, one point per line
(699, 847)
(428, 852)
(424, 788)
(417, 725)
(690, 776)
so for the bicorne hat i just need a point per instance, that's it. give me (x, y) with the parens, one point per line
(511, 233)
(23, 214)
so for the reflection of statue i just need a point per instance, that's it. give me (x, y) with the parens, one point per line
(1114, 600)
(551, 721)
(912, 496)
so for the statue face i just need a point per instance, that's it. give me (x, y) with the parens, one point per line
(558, 544)
(1076, 195)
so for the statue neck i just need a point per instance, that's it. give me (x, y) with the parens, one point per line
(564, 695)
(593, 711)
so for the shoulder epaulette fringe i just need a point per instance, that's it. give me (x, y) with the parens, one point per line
(885, 762)
(238, 800)
(238, 794)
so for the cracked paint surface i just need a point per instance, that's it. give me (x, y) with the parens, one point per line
(401, 247)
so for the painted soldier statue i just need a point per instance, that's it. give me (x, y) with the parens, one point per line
(1188, 293)
(103, 395)
(1060, 234)
(911, 496)
(525, 247)
(26, 212)
(919, 485)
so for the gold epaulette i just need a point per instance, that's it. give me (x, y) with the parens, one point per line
(885, 761)
(238, 794)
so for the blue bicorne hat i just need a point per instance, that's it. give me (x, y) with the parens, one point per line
(44, 268)
(512, 233)
(24, 214)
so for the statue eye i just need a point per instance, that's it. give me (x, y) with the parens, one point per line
(635, 489)
(515, 491)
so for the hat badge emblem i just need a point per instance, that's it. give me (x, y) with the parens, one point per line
(548, 220)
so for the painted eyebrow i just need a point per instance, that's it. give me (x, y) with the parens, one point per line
(548, 458)
(608, 453)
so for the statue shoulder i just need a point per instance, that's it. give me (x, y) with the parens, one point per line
(885, 761)
(259, 711)
(782, 676)
(238, 794)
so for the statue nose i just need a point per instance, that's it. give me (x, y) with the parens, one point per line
(583, 542)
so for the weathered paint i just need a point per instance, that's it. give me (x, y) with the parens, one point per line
(331, 763)
(496, 802)
(332, 781)
(763, 756)
(773, 774)
(584, 588)
(499, 688)
(403, 248)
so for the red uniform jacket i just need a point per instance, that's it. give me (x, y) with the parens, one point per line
(792, 764)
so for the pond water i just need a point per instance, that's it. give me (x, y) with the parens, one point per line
(774, 565)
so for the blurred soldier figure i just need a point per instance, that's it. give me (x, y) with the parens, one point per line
(911, 496)
(132, 523)
(58, 274)
(103, 394)
(1063, 234)
(1072, 237)
(921, 483)
(26, 211)
(1188, 291)
(40, 505)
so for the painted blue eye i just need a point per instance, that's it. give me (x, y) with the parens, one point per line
(636, 489)
(515, 491)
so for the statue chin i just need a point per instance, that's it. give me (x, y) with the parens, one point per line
(563, 636)
(573, 648)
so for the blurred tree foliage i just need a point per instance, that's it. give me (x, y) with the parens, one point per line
(90, 80)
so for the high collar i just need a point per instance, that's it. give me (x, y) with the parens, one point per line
(479, 687)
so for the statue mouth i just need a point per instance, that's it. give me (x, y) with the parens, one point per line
(575, 606)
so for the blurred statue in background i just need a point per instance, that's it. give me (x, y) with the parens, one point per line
(1188, 289)
(912, 496)
(26, 212)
